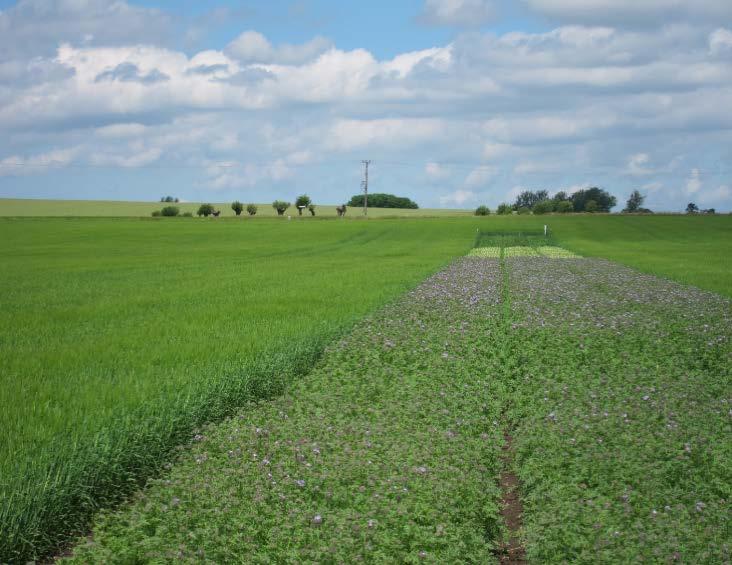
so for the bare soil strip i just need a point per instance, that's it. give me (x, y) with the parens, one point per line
(511, 552)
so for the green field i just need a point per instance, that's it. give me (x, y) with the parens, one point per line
(119, 209)
(120, 336)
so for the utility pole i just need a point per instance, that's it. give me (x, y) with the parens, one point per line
(365, 184)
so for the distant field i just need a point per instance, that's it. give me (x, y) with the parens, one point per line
(100, 208)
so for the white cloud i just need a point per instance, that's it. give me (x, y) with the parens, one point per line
(37, 164)
(459, 13)
(632, 12)
(693, 183)
(480, 176)
(436, 171)
(351, 134)
(253, 47)
(720, 42)
(637, 164)
(458, 197)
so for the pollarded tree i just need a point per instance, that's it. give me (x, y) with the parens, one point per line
(281, 206)
(238, 207)
(251, 209)
(635, 201)
(302, 202)
(311, 208)
(205, 210)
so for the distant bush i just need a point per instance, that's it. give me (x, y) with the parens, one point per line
(238, 207)
(564, 207)
(591, 206)
(187, 214)
(205, 210)
(544, 207)
(302, 202)
(251, 209)
(157, 214)
(380, 200)
(482, 211)
(168, 199)
(692, 208)
(311, 208)
(504, 209)
(170, 211)
(524, 210)
(602, 200)
(281, 206)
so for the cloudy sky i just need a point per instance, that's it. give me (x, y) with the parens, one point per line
(456, 102)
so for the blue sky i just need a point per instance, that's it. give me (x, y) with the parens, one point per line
(457, 102)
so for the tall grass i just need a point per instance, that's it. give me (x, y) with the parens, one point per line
(119, 337)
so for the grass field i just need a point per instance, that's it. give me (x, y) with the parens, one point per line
(119, 336)
(100, 208)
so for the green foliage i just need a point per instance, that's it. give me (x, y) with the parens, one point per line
(603, 200)
(692, 208)
(302, 202)
(156, 214)
(311, 209)
(528, 199)
(168, 199)
(205, 210)
(591, 206)
(187, 214)
(238, 207)
(170, 211)
(280, 206)
(543, 207)
(251, 209)
(524, 211)
(504, 209)
(380, 200)
(482, 211)
(563, 207)
(635, 202)
(104, 367)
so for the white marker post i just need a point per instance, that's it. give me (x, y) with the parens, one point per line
(545, 230)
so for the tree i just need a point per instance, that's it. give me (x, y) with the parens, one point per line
(482, 211)
(635, 202)
(205, 210)
(710, 211)
(302, 202)
(238, 207)
(527, 199)
(564, 207)
(543, 207)
(168, 199)
(170, 211)
(311, 208)
(281, 206)
(602, 198)
(251, 209)
(692, 208)
(524, 210)
(504, 209)
(380, 200)
(560, 196)
(591, 206)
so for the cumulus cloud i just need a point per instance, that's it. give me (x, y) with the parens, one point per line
(129, 72)
(693, 183)
(36, 27)
(632, 12)
(720, 42)
(253, 47)
(458, 197)
(459, 13)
